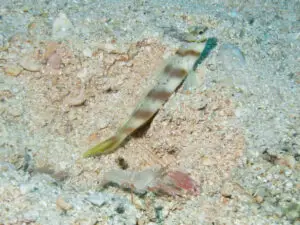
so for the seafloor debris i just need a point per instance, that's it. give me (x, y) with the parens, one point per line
(62, 27)
(62, 204)
(30, 64)
(154, 179)
(183, 181)
(13, 70)
(230, 57)
(77, 100)
(98, 198)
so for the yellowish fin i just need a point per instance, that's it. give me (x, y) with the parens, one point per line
(105, 147)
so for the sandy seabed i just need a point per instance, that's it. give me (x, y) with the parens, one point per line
(72, 72)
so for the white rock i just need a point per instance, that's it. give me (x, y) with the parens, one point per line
(87, 52)
(30, 64)
(62, 204)
(230, 57)
(98, 199)
(62, 27)
(26, 188)
(227, 189)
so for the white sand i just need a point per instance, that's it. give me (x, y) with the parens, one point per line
(237, 133)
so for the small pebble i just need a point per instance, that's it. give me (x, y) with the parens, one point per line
(87, 52)
(76, 100)
(288, 173)
(259, 199)
(31, 215)
(15, 111)
(98, 199)
(227, 190)
(13, 70)
(201, 103)
(26, 188)
(62, 204)
(30, 64)
(230, 57)
(62, 27)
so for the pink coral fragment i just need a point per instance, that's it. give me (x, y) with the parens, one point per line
(183, 181)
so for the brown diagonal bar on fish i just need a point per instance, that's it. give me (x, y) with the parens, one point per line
(171, 77)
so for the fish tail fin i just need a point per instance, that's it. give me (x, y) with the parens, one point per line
(105, 147)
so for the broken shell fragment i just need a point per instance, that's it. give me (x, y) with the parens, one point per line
(62, 204)
(76, 100)
(30, 64)
(13, 70)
